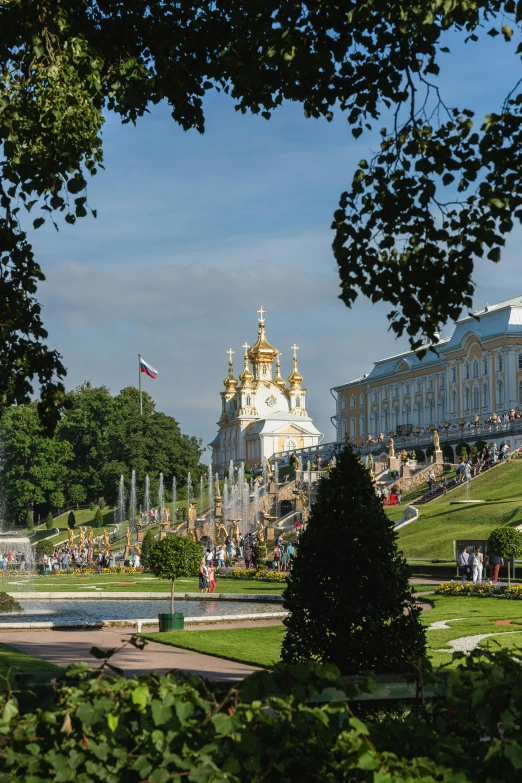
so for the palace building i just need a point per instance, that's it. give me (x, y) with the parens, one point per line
(474, 373)
(260, 414)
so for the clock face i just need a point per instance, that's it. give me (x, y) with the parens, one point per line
(271, 401)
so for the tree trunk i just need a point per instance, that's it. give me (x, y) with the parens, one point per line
(172, 597)
(509, 570)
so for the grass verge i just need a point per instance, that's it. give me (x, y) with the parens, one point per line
(13, 660)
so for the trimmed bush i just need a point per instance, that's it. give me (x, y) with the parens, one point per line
(173, 558)
(448, 453)
(354, 609)
(148, 543)
(419, 455)
(463, 449)
(8, 604)
(71, 520)
(505, 542)
(44, 547)
(98, 518)
(49, 521)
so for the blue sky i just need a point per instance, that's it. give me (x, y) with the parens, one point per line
(194, 233)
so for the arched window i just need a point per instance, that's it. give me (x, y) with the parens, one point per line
(396, 391)
(297, 402)
(500, 393)
(520, 361)
(418, 386)
(248, 401)
(395, 418)
(454, 375)
(418, 413)
(476, 398)
(430, 384)
(466, 370)
(407, 388)
(385, 394)
(500, 363)
(361, 400)
(485, 396)
(374, 396)
(466, 399)
(343, 428)
(484, 366)
(264, 370)
(352, 426)
(352, 401)
(520, 391)
(475, 368)
(343, 404)
(453, 401)
(385, 420)
(374, 424)
(361, 425)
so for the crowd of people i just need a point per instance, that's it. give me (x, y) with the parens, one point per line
(12, 560)
(472, 564)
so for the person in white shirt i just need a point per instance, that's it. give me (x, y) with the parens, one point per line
(478, 562)
(136, 561)
(463, 564)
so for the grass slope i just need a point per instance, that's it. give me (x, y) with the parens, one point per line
(255, 646)
(13, 660)
(440, 523)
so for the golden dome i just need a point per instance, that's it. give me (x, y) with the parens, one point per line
(262, 351)
(279, 380)
(246, 376)
(295, 378)
(230, 382)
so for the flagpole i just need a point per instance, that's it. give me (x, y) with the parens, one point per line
(139, 376)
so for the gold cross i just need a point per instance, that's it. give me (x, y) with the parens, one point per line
(261, 313)
(230, 352)
(294, 348)
(246, 347)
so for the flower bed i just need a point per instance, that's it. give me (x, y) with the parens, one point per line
(480, 590)
(262, 574)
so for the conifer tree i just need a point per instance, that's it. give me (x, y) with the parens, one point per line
(49, 521)
(148, 542)
(348, 594)
(71, 520)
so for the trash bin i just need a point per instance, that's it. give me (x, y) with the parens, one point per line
(171, 622)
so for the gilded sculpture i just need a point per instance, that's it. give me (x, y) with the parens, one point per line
(391, 448)
(436, 441)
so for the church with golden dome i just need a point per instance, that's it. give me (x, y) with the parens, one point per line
(260, 414)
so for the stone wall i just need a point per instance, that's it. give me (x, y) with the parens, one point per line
(419, 478)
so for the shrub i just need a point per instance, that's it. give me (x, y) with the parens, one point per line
(49, 521)
(8, 604)
(98, 518)
(480, 445)
(77, 494)
(463, 449)
(71, 520)
(148, 543)
(29, 522)
(353, 608)
(419, 455)
(448, 453)
(91, 506)
(44, 547)
(430, 450)
(174, 557)
(505, 542)
(101, 504)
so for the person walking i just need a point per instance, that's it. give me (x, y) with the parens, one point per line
(220, 556)
(463, 563)
(277, 557)
(494, 565)
(478, 564)
(248, 557)
(211, 575)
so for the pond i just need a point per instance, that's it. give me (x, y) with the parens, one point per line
(85, 611)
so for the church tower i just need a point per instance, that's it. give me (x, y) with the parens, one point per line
(260, 415)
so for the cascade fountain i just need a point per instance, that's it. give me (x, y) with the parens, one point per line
(265, 474)
(132, 502)
(174, 498)
(226, 502)
(210, 492)
(120, 512)
(189, 492)
(161, 499)
(246, 509)
(200, 494)
(146, 499)
(256, 502)
(276, 480)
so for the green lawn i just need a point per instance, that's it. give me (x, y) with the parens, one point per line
(12, 661)
(256, 646)
(131, 583)
(440, 523)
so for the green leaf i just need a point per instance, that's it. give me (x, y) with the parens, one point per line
(112, 721)
(222, 723)
(140, 696)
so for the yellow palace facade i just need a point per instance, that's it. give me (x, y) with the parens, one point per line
(475, 372)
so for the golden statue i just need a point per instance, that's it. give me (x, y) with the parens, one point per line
(369, 463)
(297, 464)
(192, 534)
(70, 536)
(404, 456)
(234, 531)
(90, 538)
(222, 532)
(106, 539)
(128, 535)
(330, 466)
(436, 441)
(269, 471)
(82, 538)
(260, 530)
(304, 500)
(391, 448)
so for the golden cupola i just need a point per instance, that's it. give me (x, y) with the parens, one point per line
(230, 381)
(295, 378)
(246, 377)
(262, 354)
(279, 380)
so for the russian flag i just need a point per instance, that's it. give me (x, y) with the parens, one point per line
(148, 369)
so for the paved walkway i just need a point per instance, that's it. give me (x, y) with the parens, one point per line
(64, 647)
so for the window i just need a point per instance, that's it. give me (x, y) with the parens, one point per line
(454, 375)
(374, 424)
(500, 363)
(520, 361)
(264, 371)
(352, 426)
(395, 418)
(453, 401)
(466, 400)
(485, 396)
(374, 396)
(343, 428)
(343, 404)
(361, 400)
(500, 393)
(396, 391)
(484, 366)
(419, 413)
(385, 394)
(407, 388)
(361, 425)
(430, 384)
(384, 422)
(475, 368)
(520, 391)
(418, 386)
(466, 370)
(442, 381)
(352, 401)
(297, 402)
(248, 401)
(476, 398)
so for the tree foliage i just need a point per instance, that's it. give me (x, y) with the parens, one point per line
(348, 594)
(148, 542)
(174, 557)
(49, 521)
(443, 189)
(71, 520)
(505, 541)
(44, 547)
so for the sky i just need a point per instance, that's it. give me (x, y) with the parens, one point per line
(195, 232)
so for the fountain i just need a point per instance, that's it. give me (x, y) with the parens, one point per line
(132, 502)
(146, 500)
(161, 499)
(210, 492)
(174, 497)
(256, 502)
(276, 481)
(189, 492)
(200, 494)
(19, 546)
(265, 474)
(245, 515)
(226, 502)
(120, 511)
(468, 500)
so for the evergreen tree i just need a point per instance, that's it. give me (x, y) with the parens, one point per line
(49, 522)
(148, 543)
(348, 594)
(29, 522)
(71, 520)
(98, 518)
